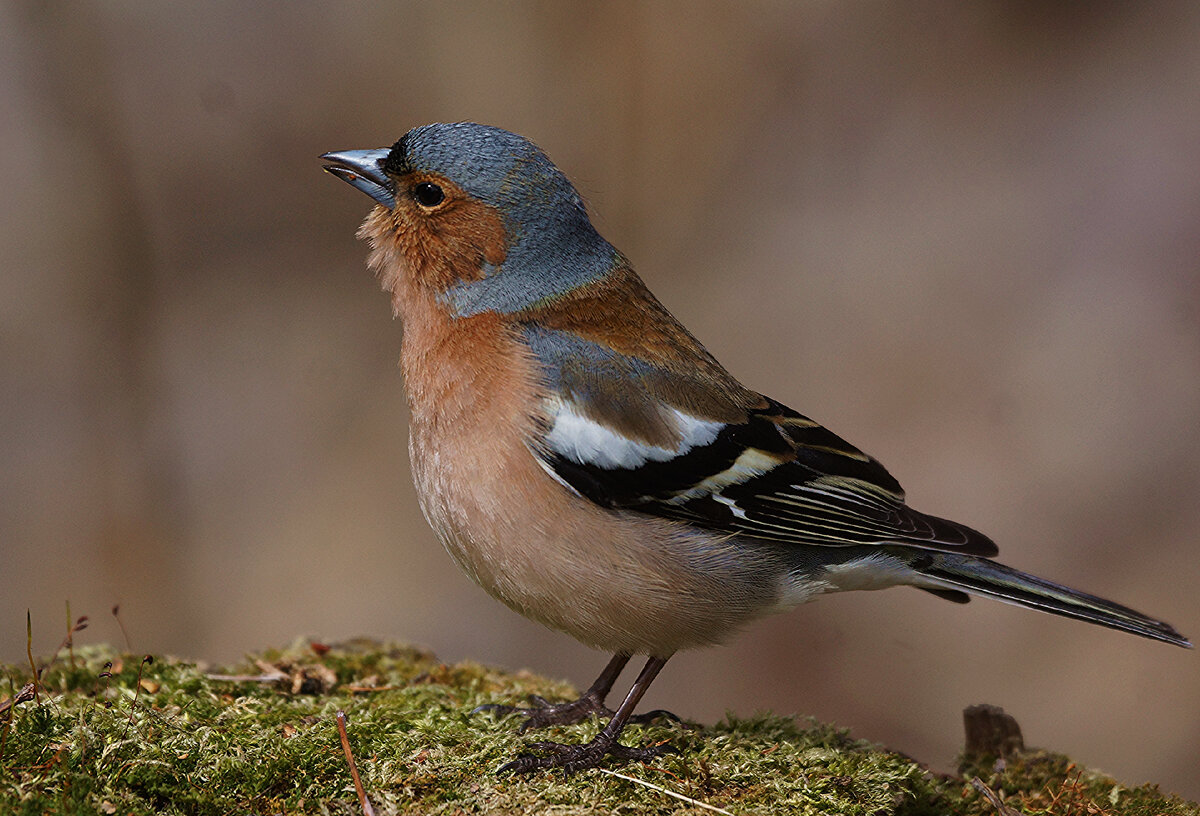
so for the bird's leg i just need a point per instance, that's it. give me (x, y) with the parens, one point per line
(542, 712)
(591, 754)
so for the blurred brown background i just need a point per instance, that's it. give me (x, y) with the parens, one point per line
(966, 236)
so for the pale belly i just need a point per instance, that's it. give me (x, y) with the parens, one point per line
(612, 580)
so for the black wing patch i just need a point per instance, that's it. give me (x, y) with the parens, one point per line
(777, 476)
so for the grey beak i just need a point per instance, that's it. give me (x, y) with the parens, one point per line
(363, 169)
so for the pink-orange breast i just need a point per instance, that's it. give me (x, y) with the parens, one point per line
(614, 580)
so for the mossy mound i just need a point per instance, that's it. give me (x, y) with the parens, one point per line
(173, 737)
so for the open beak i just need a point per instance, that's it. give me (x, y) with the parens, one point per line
(363, 169)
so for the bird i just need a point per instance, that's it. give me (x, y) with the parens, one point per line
(587, 462)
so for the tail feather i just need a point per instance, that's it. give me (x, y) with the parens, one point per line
(980, 576)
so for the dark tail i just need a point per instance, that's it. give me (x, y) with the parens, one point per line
(980, 576)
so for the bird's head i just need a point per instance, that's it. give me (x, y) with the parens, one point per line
(476, 214)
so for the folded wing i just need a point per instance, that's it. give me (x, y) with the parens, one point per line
(774, 474)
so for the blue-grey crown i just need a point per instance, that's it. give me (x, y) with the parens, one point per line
(491, 164)
(552, 246)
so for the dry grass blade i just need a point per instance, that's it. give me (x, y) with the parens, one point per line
(679, 796)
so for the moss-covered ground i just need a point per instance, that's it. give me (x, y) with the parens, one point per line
(172, 737)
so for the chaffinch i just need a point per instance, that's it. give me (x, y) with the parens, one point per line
(587, 462)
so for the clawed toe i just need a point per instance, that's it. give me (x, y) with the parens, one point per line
(499, 709)
(541, 713)
(654, 716)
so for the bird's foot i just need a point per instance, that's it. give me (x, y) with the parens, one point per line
(572, 758)
(541, 713)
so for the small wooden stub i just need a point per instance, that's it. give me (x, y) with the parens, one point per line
(991, 732)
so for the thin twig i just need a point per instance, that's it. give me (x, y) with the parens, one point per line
(70, 636)
(22, 696)
(69, 641)
(678, 796)
(29, 653)
(995, 801)
(9, 706)
(105, 675)
(358, 786)
(116, 613)
(137, 690)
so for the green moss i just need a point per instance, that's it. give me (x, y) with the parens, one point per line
(182, 740)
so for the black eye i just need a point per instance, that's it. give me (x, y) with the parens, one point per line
(428, 195)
